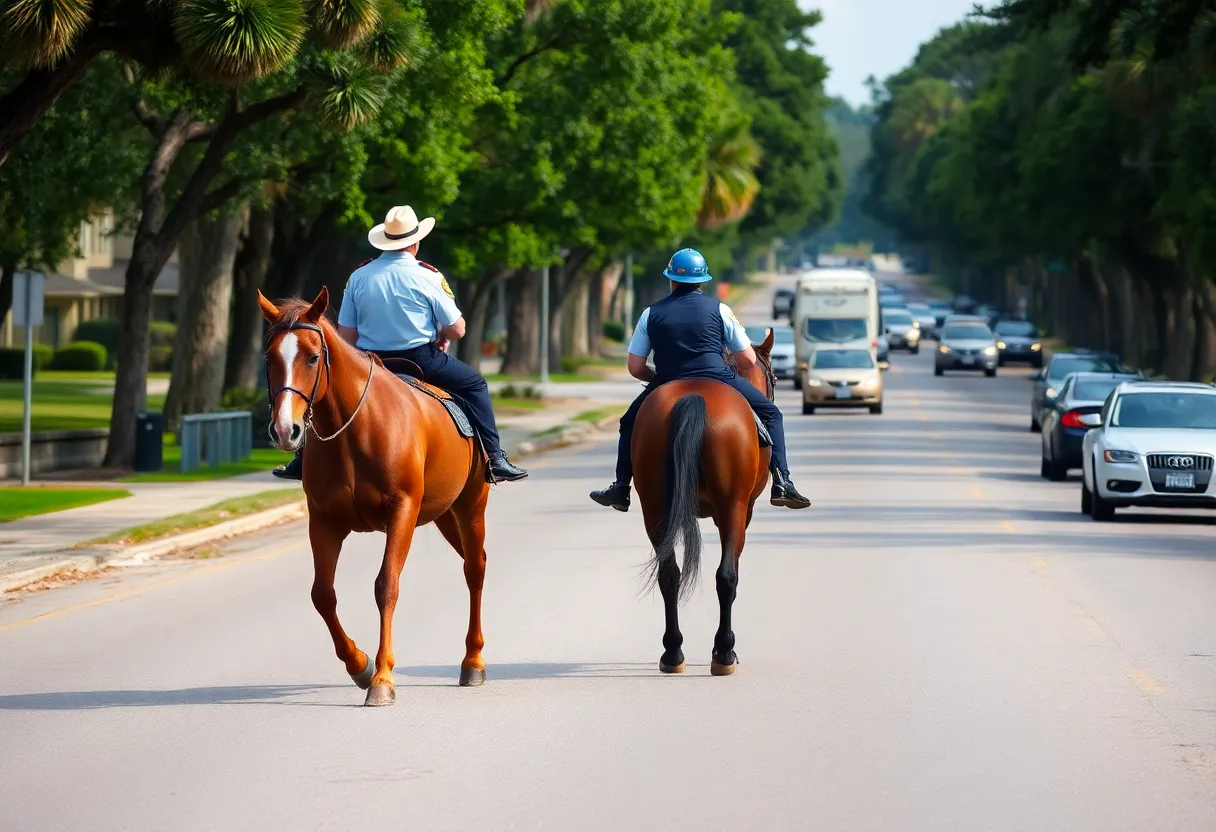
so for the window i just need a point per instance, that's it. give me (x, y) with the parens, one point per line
(966, 332)
(1165, 410)
(781, 334)
(843, 360)
(897, 318)
(1017, 329)
(1062, 367)
(837, 330)
(1094, 391)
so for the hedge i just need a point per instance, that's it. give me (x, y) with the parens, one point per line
(614, 330)
(104, 331)
(12, 361)
(80, 356)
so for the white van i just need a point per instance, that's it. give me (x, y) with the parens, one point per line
(836, 308)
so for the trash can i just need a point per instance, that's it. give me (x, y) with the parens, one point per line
(149, 441)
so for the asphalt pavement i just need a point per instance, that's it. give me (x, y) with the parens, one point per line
(941, 642)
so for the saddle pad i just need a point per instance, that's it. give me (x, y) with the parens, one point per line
(459, 417)
(766, 441)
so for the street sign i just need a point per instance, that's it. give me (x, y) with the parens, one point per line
(34, 283)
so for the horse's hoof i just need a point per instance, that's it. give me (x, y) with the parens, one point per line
(364, 677)
(717, 668)
(380, 695)
(664, 667)
(471, 677)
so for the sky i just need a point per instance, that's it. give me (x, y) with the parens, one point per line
(859, 38)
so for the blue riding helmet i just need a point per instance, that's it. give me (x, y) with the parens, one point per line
(688, 266)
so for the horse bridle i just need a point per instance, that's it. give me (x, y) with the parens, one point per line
(770, 377)
(311, 398)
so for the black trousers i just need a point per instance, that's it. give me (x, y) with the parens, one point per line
(464, 383)
(769, 413)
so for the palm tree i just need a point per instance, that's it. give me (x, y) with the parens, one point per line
(730, 185)
(52, 42)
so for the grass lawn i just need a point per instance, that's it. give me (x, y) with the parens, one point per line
(260, 459)
(25, 502)
(738, 293)
(62, 401)
(204, 517)
(556, 378)
(599, 413)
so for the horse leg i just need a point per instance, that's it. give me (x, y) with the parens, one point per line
(467, 534)
(388, 585)
(326, 546)
(731, 529)
(668, 577)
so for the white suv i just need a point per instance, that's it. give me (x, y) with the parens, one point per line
(1153, 444)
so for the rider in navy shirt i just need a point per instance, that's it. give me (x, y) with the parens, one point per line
(688, 332)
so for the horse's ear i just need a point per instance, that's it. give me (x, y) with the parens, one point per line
(767, 346)
(269, 311)
(317, 310)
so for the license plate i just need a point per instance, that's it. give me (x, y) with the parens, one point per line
(843, 393)
(969, 360)
(1179, 480)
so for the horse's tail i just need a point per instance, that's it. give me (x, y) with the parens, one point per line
(681, 500)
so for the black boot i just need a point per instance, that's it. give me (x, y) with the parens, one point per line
(502, 468)
(784, 494)
(614, 496)
(293, 470)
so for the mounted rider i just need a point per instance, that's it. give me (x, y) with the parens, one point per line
(397, 306)
(689, 332)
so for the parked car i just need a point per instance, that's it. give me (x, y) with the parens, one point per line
(783, 347)
(842, 378)
(966, 344)
(891, 300)
(1063, 431)
(903, 333)
(923, 315)
(783, 299)
(1062, 365)
(1152, 444)
(1018, 341)
(882, 352)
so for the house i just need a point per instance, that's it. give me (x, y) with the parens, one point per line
(90, 286)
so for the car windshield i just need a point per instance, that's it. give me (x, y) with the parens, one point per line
(781, 334)
(1016, 328)
(1096, 390)
(966, 332)
(899, 318)
(837, 330)
(891, 301)
(918, 308)
(1063, 367)
(785, 293)
(1165, 410)
(843, 360)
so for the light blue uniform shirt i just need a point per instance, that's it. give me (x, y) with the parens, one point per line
(736, 335)
(395, 303)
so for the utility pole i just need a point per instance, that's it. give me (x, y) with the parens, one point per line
(544, 325)
(29, 378)
(628, 300)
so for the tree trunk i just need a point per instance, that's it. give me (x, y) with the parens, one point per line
(576, 339)
(595, 309)
(25, 104)
(523, 324)
(207, 250)
(8, 272)
(131, 370)
(248, 276)
(476, 313)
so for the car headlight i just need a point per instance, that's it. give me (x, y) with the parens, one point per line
(1049, 393)
(916, 324)
(814, 382)
(1000, 345)
(989, 350)
(1119, 456)
(943, 349)
(1036, 346)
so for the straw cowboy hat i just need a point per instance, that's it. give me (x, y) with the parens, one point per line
(400, 229)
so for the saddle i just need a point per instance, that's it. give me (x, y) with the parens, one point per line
(410, 373)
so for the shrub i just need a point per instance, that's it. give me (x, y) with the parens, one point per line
(104, 331)
(255, 402)
(163, 334)
(614, 331)
(12, 361)
(570, 364)
(160, 359)
(523, 391)
(81, 356)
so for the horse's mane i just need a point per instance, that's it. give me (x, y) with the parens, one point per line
(291, 310)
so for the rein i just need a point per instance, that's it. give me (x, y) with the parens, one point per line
(311, 398)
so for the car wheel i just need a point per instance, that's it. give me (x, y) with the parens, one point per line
(990, 373)
(1000, 362)
(876, 409)
(1035, 427)
(1087, 497)
(797, 382)
(937, 371)
(1043, 467)
(1054, 472)
(1100, 509)
(808, 409)
(914, 350)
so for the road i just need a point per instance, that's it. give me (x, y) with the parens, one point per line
(941, 642)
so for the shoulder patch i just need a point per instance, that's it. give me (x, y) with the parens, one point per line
(427, 265)
(443, 282)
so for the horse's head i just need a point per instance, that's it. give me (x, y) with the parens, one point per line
(297, 361)
(761, 374)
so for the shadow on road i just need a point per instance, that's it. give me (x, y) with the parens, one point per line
(426, 675)
(94, 699)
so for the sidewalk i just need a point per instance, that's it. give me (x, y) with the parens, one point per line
(44, 544)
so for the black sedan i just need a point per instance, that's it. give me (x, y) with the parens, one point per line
(1019, 341)
(1063, 432)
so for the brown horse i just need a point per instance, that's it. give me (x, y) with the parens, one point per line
(383, 456)
(696, 453)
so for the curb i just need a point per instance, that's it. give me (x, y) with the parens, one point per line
(101, 556)
(570, 433)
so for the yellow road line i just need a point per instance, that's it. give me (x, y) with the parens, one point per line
(1143, 680)
(1009, 528)
(934, 434)
(143, 590)
(1039, 563)
(976, 493)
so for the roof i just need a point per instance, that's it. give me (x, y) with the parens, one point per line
(108, 282)
(1159, 386)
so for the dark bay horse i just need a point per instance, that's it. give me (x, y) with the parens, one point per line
(383, 456)
(696, 453)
